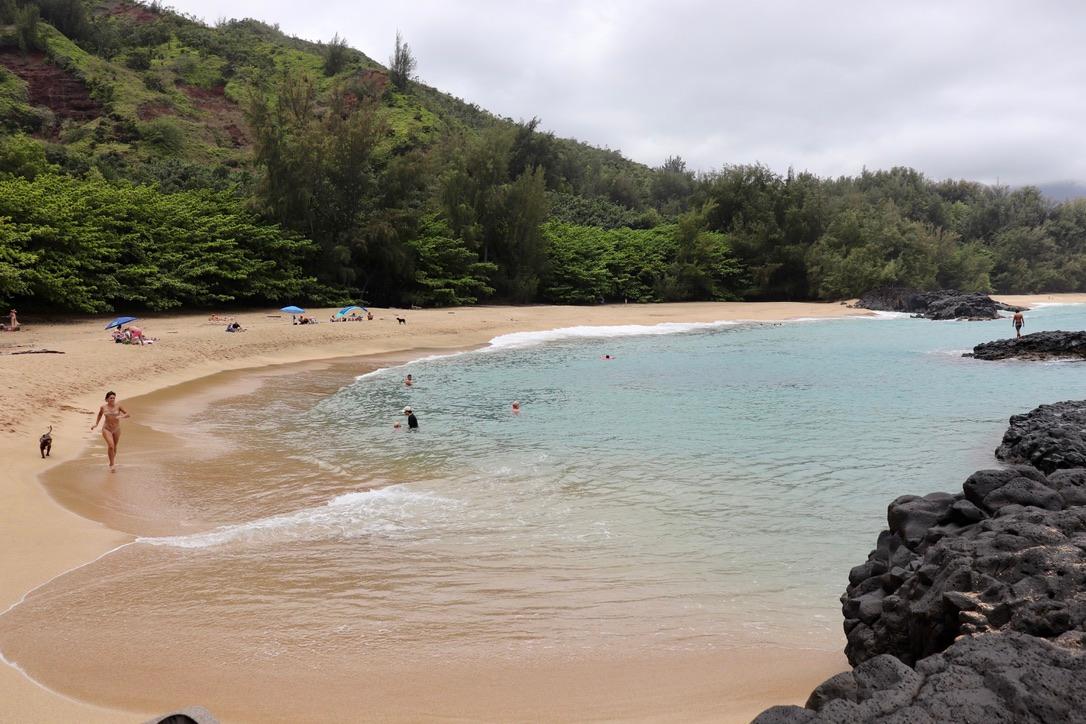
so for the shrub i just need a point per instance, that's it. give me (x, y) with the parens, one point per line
(164, 135)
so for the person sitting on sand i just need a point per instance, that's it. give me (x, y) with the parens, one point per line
(369, 316)
(234, 327)
(13, 323)
(1018, 320)
(111, 429)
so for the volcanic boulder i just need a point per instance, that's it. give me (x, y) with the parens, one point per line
(1009, 678)
(1036, 346)
(941, 304)
(1049, 437)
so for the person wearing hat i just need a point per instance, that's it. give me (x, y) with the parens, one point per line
(412, 421)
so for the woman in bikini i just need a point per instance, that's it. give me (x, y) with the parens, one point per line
(111, 428)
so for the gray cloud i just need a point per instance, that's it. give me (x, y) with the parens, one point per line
(980, 90)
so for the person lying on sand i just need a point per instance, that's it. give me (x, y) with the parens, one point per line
(234, 327)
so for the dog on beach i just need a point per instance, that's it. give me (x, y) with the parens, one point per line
(45, 443)
(401, 320)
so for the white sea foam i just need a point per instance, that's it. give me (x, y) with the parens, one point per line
(521, 340)
(386, 511)
(517, 340)
(429, 358)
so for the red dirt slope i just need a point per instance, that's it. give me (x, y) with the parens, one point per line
(51, 86)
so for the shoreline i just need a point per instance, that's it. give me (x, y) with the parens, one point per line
(43, 540)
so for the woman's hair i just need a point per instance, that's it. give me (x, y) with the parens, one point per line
(111, 392)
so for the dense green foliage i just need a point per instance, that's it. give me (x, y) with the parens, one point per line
(89, 245)
(190, 164)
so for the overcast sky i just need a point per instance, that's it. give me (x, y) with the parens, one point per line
(984, 90)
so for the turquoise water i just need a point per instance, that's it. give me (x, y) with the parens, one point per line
(708, 487)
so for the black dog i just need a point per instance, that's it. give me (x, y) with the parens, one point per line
(45, 443)
(401, 320)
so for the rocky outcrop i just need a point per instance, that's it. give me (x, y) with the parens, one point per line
(1007, 678)
(972, 606)
(940, 304)
(1049, 437)
(1007, 554)
(1036, 346)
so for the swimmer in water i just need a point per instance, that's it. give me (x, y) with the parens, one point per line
(516, 407)
(111, 428)
(397, 426)
(607, 357)
(409, 380)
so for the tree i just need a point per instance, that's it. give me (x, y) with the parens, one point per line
(67, 16)
(521, 251)
(401, 65)
(867, 247)
(532, 149)
(26, 27)
(88, 245)
(336, 55)
(23, 157)
(703, 266)
(672, 185)
(447, 272)
(318, 168)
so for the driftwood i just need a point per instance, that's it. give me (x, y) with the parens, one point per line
(40, 351)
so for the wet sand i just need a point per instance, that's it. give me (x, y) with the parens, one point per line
(40, 539)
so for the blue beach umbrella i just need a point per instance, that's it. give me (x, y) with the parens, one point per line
(292, 310)
(121, 321)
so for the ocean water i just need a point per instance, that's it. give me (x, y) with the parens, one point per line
(708, 487)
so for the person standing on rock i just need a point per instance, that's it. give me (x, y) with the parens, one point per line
(1018, 320)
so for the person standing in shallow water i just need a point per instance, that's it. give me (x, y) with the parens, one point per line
(1018, 320)
(412, 421)
(111, 428)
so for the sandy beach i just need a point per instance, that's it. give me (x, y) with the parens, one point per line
(40, 539)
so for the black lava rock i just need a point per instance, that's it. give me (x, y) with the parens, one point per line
(940, 304)
(1036, 346)
(972, 607)
(1007, 678)
(1049, 437)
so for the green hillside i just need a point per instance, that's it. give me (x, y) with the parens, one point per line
(150, 160)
